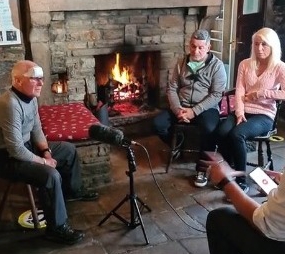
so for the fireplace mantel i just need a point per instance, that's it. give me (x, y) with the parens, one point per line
(75, 5)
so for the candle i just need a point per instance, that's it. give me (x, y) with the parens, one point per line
(59, 87)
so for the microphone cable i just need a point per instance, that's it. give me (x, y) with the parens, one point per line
(163, 195)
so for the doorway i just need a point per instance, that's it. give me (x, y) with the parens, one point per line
(245, 18)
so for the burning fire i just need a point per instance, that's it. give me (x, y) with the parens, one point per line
(122, 77)
(126, 83)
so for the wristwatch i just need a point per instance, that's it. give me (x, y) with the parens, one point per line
(46, 150)
(224, 182)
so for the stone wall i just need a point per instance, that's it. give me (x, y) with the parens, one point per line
(95, 162)
(9, 55)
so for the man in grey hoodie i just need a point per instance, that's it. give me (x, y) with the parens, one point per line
(194, 93)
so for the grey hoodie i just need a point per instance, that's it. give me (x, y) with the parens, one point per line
(199, 91)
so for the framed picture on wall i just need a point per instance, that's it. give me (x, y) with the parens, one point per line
(10, 33)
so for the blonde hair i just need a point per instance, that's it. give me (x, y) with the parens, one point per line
(271, 38)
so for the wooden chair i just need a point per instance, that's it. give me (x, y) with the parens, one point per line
(191, 133)
(180, 132)
(266, 139)
(263, 139)
(31, 200)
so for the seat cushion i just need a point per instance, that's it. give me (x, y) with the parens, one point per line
(66, 122)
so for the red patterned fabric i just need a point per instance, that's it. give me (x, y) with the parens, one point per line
(66, 122)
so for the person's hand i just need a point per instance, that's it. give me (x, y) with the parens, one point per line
(51, 162)
(276, 176)
(216, 171)
(182, 116)
(185, 115)
(251, 97)
(241, 119)
(189, 113)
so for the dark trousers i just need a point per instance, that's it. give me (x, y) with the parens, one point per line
(207, 122)
(52, 183)
(232, 138)
(228, 232)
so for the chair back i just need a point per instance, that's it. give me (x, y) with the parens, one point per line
(278, 106)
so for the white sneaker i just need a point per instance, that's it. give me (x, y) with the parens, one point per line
(201, 179)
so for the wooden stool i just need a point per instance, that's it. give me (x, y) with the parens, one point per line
(31, 199)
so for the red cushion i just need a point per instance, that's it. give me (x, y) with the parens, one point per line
(66, 122)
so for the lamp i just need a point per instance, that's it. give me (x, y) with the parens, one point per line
(59, 87)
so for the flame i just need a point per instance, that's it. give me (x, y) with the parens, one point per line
(122, 77)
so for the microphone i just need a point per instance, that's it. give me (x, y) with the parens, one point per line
(109, 135)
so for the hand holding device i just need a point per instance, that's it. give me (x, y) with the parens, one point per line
(262, 180)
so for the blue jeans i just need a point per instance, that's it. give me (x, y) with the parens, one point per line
(232, 138)
(207, 121)
(228, 232)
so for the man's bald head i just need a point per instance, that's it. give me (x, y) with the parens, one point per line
(23, 67)
(27, 78)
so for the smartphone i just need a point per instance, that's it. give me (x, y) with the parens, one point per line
(262, 180)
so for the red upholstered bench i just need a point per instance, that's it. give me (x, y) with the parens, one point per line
(66, 122)
(70, 122)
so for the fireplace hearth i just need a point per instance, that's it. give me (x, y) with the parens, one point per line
(128, 81)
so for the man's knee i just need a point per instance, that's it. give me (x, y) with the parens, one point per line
(68, 146)
(54, 178)
(212, 218)
(217, 216)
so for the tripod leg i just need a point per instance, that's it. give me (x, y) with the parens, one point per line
(144, 205)
(113, 212)
(140, 220)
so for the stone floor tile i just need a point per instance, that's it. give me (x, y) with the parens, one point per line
(197, 245)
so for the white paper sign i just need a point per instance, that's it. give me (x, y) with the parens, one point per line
(9, 34)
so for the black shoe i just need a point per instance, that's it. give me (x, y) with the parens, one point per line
(83, 195)
(64, 234)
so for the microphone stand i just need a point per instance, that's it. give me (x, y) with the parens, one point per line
(136, 218)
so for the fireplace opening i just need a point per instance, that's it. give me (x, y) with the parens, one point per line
(128, 81)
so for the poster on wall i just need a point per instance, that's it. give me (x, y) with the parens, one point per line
(9, 23)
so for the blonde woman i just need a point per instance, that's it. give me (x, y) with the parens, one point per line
(260, 82)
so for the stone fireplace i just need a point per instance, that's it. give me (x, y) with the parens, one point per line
(69, 38)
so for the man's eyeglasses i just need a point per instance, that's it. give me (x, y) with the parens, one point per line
(36, 79)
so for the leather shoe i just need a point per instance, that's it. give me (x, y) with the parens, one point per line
(82, 195)
(64, 234)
